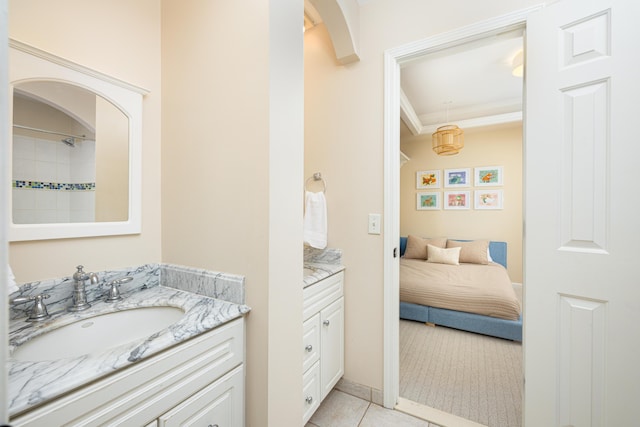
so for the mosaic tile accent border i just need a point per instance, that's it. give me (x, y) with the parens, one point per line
(39, 185)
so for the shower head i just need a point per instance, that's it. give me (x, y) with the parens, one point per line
(71, 142)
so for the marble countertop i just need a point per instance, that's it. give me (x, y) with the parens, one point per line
(320, 264)
(316, 271)
(32, 383)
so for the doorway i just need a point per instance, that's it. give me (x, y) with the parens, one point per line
(394, 60)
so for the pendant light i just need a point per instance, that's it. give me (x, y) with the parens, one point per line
(447, 140)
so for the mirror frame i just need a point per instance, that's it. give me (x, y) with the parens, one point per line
(27, 63)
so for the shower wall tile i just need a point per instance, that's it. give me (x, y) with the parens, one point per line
(45, 189)
(23, 148)
(46, 216)
(46, 200)
(23, 169)
(46, 150)
(23, 199)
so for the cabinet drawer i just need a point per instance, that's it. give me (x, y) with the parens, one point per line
(321, 294)
(310, 342)
(310, 392)
(219, 404)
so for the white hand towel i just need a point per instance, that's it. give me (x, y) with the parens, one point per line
(11, 281)
(315, 220)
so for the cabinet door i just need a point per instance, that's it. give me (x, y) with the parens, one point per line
(220, 404)
(331, 345)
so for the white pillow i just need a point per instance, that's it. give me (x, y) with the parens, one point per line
(443, 256)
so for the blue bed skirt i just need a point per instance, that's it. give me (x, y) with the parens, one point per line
(493, 326)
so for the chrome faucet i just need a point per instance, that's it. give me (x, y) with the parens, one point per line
(79, 292)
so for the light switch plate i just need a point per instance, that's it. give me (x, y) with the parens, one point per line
(374, 223)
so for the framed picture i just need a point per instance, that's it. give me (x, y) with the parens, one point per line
(488, 199)
(457, 178)
(489, 176)
(428, 201)
(428, 179)
(457, 199)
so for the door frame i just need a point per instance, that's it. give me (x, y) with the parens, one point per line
(393, 60)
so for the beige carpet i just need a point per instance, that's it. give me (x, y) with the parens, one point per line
(469, 375)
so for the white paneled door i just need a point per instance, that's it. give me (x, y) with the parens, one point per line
(582, 233)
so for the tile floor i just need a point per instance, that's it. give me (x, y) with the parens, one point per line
(340, 409)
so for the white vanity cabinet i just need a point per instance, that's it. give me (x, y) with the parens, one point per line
(323, 340)
(199, 382)
(219, 404)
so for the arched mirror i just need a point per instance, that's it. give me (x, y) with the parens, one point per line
(75, 151)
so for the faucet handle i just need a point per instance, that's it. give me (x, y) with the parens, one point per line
(38, 311)
(113, 294)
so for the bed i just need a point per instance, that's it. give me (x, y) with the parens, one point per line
(452, 298)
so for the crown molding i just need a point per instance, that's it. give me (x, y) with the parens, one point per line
(39, 53)
(408, 115)
(497, 119)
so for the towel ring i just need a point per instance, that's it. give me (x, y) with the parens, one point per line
(316, 177)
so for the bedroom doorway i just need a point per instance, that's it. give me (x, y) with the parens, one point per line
(395, 62)
(457, 375)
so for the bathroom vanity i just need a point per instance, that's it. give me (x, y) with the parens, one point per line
(171, 350)
(190, 371)
(323, 332)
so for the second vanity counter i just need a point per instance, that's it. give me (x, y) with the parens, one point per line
(315, 272)
(32, 383)
(320, 264)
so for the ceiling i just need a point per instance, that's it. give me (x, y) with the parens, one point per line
(470, 85)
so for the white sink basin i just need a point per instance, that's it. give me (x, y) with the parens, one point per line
(97, 333)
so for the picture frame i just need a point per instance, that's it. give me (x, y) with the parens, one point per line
(428, 201)
(457, 178)
(428, 179)
(488, 199)
(457, 200)
(489, 176)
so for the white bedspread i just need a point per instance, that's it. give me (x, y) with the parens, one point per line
(473, 288)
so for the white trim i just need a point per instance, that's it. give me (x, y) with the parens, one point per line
(5, 185)
(391, 233)
(478, 122)
(23, 47)
(393, 59)
(433, 415)
(28, 67)
(409, 116)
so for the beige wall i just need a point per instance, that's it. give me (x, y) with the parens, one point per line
(498, 146)
(120, 38)
(344, 141)
(232, 174)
